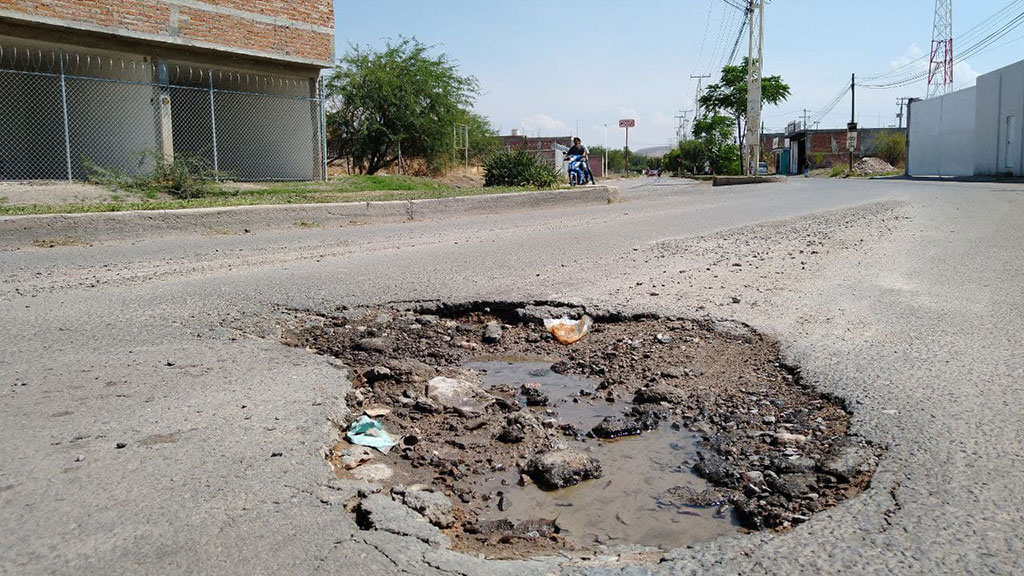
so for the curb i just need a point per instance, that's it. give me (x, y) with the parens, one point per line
(20, 231)
(741, 180)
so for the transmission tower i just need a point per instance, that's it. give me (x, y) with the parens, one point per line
(755, 68)
(940, 69)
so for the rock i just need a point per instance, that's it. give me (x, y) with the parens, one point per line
(659, 393)
(353, 457)
(373, 472)
(435, 507)
(674, 372)
(798, 465)
(787, 439)
(379, 345)
(717, 471)
(560, 468)
(516, 427)
(793, 485)
(535, 397)
(459, 395)
(377, 374)
(377, 412)
(663, 338)
(427, 320)
(753, 477)
(379, 512)
(619, 426)
(412, 371)
(850, 462)
(492, 332)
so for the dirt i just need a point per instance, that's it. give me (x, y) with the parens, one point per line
(715, 431)
(870, 165)
(53, 192)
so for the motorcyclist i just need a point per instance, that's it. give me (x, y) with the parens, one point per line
(578, 149)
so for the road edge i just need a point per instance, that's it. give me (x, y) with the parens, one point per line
(20, 231)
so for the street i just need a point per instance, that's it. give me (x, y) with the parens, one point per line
(154, 424)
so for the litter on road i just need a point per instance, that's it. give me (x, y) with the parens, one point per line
(569, 331)
(368, 432)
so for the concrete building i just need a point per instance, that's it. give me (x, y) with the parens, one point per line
(972, 132)
(116, 84)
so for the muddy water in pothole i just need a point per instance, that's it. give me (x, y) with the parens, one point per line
(632, 503)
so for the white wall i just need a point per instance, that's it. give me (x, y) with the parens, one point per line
(1001, 95)
(942, 135)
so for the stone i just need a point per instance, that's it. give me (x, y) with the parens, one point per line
(619, 426)
(663, 338)
(516, 427)
(680, 496)
(787, 439)
(435, 507)
(412, 371)
(561, 468)
(427, 320)
(798, 465)
(377, 412)
(373, 472)
(380, 512)
(379, 345)
(675, 372)
(659, 393)
(535, 397)
(492, 332)
(353, 457)
(377, 374)
(850, 462)
(793, 485)
(459, 395)
(716, 471)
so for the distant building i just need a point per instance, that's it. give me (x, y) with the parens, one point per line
(117, 83)
(977, 131)
(824, 148)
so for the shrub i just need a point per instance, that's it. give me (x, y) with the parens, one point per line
(185, 176)
(891, 146)
(837, 171)
(519, 168)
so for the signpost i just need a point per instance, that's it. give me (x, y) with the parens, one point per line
(627, 124)
(851, 140)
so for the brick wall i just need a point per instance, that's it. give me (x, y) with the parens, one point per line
(289, 30)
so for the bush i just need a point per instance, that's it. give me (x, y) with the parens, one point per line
(519, 168)
(891, 146)
(837, 171)
(185, 176)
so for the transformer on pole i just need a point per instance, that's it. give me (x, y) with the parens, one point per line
(940, 67)
(755, 68)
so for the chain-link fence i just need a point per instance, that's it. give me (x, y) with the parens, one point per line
(65, 116)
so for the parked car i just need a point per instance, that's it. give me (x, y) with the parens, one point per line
(762, 168)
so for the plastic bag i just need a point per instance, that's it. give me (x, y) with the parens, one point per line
(569, 331)
(368, 432)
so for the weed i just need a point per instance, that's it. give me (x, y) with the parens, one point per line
(308, 224)
(837, 171)
(184, 176)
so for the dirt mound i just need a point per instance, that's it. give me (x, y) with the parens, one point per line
(871, 165)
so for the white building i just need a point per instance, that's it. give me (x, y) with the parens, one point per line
(973, 132)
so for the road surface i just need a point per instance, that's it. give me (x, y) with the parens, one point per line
(903, 298)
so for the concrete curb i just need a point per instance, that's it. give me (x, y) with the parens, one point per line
(20, 231)
(740, 180)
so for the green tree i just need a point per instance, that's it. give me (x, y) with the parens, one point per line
(715, 133)
(693, 157)
(729, 95)
(398, 95)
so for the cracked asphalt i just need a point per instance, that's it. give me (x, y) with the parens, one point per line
(153, 424)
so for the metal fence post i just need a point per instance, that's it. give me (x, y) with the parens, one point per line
(323, 127)
(213, 127)
(67, 132)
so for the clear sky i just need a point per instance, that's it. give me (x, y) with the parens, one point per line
(546, 66)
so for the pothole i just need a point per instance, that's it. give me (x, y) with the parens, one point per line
(650, 431)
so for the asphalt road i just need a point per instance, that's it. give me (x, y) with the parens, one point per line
(903, 298)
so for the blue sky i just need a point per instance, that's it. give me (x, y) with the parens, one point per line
(546, 66)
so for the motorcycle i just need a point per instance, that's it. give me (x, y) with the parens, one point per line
(578, 170)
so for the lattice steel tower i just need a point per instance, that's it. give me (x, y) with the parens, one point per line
(940, 68)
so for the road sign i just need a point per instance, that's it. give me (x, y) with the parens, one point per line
(851, 141)
(627, 123)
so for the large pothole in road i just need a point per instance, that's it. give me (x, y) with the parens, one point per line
(649, 431)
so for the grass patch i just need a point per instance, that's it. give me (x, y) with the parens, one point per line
(59, 241)
(345, 189)
(308, 224)
(837, 171)
(4, 200)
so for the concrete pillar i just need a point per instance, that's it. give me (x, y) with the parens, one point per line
(162, 104)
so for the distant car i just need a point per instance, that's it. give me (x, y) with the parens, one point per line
(762, 168)
(651, 172)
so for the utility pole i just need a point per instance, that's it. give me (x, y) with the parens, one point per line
(700, 78)
(755, 69)
(901, 102)
(805, 119)
(851, 128)
(683, 118)
(940, 66)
